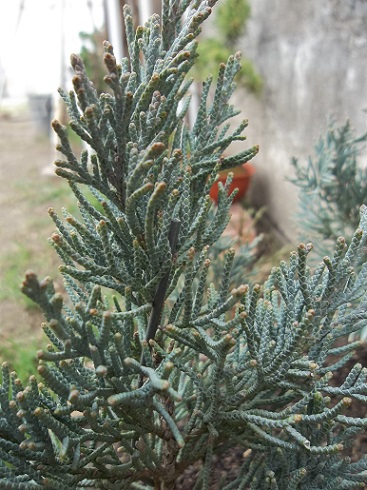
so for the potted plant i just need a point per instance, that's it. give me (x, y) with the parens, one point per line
(241, 180)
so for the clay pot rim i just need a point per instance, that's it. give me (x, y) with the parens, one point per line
(244, 170)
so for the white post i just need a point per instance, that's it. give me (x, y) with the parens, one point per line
(114, 27)
(147, 8)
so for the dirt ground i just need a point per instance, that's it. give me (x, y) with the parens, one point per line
(26, 180)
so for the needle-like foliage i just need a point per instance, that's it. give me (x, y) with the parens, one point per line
(332, 186)
(170, 370)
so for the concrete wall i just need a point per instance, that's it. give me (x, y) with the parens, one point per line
(313, 58)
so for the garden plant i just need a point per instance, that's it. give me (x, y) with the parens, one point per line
(152, 368)
(230, 22)
(332, 186)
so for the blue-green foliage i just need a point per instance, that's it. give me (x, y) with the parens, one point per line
(171, 370)
(332, 187)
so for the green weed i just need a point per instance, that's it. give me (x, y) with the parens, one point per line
(20, 356)
(13, 265)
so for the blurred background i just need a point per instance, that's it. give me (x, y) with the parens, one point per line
(38, 36)
(304, 63)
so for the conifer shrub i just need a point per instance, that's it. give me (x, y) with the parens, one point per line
(151, 369)
(332, 186)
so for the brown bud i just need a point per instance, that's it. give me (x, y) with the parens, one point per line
(73, 396)
(101, 371)
(56, 125)
(75, 60)
(56, 238)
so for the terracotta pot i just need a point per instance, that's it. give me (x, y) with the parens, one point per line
(241, 179)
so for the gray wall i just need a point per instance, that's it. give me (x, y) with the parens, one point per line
(312, 55)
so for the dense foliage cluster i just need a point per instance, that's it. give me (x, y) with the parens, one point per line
(150, 368)
(332, 186)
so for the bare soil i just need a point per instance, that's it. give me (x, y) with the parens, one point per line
(25, 181)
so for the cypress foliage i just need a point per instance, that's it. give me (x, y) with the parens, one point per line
(332, 186)
(169, 370)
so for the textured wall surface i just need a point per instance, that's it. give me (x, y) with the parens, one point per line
(313, 59)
